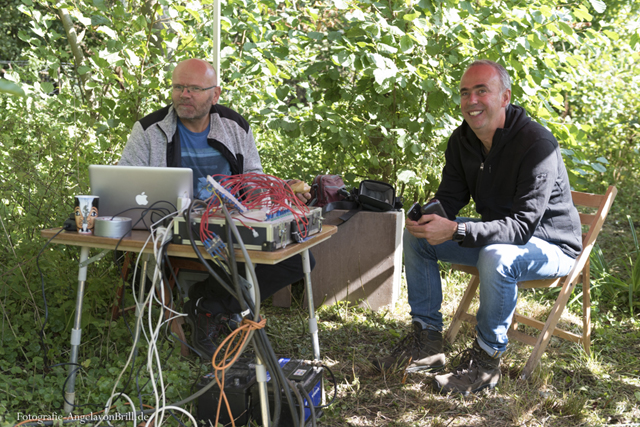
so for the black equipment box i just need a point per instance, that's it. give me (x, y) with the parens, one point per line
(266, 234)
(239, 382)
(241, 389)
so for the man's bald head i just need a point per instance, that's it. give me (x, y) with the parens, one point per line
(195, 90)
(198, 69)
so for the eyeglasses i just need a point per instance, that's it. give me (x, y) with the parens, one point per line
(191, 89)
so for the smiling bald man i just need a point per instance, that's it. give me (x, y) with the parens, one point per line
(528, 229)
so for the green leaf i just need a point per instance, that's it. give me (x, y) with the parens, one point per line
(509, 31)
(10, 87)
(382, 74)
(406, 176)
(546, 11)
(340, 4)
(195, 14)
(611, 34)
(108, 31)
(100, 5)
(435, 99)
(315, 35)
(282, 92)
(83, 69)
(565, 28)
(272, 68)
(598, 5)
(47, 87)
(582, 13)
(99, 20)
(412, 16)
(385, 48)
(406, 44)
(422, 23)
(598, 167)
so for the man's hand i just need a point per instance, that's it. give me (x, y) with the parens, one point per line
(300, 189)
(432, 227)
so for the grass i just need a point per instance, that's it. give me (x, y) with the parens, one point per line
(567, 389)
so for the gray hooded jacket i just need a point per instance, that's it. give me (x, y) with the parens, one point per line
(154, 140)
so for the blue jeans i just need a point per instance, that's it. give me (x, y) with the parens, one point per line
(501, 267)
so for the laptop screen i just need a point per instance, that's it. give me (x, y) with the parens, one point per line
(139, 191)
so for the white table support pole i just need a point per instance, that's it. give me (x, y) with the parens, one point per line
(313, 322)
(261, 370)
(140, 304)
(76, 333)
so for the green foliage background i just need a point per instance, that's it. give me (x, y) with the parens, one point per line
(360, 88)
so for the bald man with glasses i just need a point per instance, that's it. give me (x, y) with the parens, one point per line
(211, 139)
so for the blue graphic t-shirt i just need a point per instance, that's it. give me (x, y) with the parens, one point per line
(204, 160)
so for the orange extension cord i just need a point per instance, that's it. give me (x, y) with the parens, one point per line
(232, 344)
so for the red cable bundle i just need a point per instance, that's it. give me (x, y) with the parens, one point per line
(255, 192)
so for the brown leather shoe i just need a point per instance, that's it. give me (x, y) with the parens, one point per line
(476, 371)
(421, 350)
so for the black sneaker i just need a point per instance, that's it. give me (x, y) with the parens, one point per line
(208, 330)
(420, 349)
(476, 371)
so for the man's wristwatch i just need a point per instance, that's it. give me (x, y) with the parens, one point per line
(461, 231)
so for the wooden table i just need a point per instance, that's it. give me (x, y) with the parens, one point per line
(136, 242)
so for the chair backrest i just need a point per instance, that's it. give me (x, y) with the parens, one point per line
(602, 202)
(594, 221)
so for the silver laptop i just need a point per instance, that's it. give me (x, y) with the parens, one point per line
(135, 191)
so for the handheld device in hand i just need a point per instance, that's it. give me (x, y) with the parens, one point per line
(433, 207)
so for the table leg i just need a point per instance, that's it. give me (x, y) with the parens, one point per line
(313, 322)
(76, 332)
(261, 371)
(140, 305)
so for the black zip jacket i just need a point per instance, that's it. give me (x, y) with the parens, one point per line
(521, 188)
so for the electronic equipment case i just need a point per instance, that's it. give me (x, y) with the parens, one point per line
(266, 234)
(241, 390)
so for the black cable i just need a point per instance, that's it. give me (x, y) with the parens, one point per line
(312, 408)
(139, 389)
(335, 387)
(167, 260)
(64, 387)
(234, 269)
(300, 405)
(44, 298)
(262, 343)
(176, 418)
(41, 333)
(204, 262)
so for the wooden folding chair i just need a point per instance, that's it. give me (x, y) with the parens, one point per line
(580, 271)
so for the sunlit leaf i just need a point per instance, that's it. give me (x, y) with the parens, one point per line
(598, 5)
(10, 87)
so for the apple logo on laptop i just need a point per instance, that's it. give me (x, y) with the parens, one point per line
(141, 199)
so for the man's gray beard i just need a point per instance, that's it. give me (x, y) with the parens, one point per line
(182, 116)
